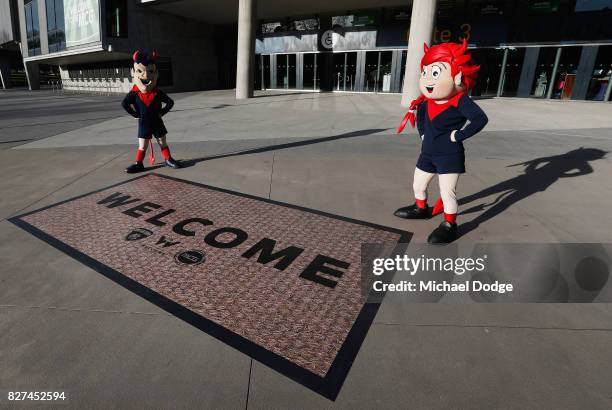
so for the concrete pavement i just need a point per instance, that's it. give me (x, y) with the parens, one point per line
(65, 327)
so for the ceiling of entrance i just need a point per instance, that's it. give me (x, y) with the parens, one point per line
(218, 12)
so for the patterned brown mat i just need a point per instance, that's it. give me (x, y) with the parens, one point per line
(276, 281)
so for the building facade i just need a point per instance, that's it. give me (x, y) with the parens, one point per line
(90, 42)
(542, 49)
(527, 48)
(10, 56)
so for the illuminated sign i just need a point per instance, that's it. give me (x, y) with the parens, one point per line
(82, 19)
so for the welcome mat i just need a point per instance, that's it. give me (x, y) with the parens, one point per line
(279, 282)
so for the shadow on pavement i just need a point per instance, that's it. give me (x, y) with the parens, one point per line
(191, 162)
(540, 174)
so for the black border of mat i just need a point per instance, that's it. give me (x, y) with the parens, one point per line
(328, 386)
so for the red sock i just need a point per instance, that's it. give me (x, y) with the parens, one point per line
(140, 154)
(450, 217)
(166, 152)
(421, 203)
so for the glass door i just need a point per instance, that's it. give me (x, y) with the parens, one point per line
(370, 71)
(599, 85)
(291, 71)
(490, 62)
(259, 72)
(262, 75)
(345, 71)
(310, 72)
(512, 73)
(543, 76)
(377, 73)
(286, 71)
(563, 82)
(383, 85)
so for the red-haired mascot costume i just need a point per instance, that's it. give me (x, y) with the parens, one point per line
(442, 110)
(144, 102)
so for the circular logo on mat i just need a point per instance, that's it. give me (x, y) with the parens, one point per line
(191, 257)
(138, 234)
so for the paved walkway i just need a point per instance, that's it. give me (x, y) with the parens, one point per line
(65, 327)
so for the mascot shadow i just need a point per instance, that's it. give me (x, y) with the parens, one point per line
(353, 134)
(539, 174)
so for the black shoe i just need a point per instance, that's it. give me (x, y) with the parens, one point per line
(135, 168)
(172, 163)
(445, 233)
(413, 212)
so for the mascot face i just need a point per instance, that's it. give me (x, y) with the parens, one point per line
(437, 82)
(145, 72)
(447, 69)
(145, 77)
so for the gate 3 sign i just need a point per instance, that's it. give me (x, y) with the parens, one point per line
(278, 282)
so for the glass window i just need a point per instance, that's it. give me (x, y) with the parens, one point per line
(351, 71)
(271, 27)
(490, 61)
(290, 24)
(362, 19)
(116, 18)
(542, 79)
(377, 75)
(262, 72)
(403, 70)
(306, 24)
(566, 73)
(282, 80)
(512, 74)
(310, 72)
(32, 27)
(345, 69)
(164, 67)
(339, 84)
(370, 73)
(258, 72)
(55, 25)
(602, 71)
(285, 71)
(266, 72)
(384, 72)
(292, 70)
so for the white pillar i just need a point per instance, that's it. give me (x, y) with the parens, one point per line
(245, 67)
(421, 31)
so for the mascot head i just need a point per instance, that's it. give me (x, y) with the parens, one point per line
(144, 71)
(447, 69)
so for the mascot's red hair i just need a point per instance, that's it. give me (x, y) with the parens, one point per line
(460, 62)
(440, 113)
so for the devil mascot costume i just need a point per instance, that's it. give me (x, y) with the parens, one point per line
(442, 110)
(144, 102)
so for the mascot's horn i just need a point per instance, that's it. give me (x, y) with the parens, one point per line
(463, 48)
(135, 55)
(425, 48)
(154, 56)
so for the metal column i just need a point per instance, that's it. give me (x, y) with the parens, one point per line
(584, 72)
(530, 64)
(551, 86)
(502, 74)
